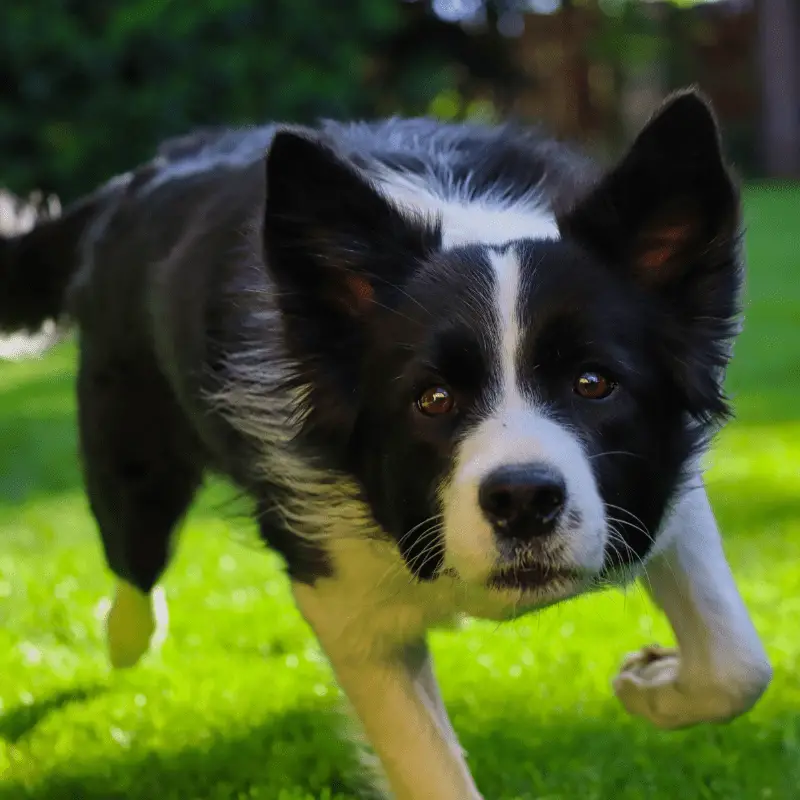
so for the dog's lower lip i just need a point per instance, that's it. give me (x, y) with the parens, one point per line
(530, 576)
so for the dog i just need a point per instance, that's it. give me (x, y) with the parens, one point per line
(459, 369)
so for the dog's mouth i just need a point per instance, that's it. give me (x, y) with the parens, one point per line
(532, 576)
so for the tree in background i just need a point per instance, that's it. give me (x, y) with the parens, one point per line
(88, 88)
(779, 38)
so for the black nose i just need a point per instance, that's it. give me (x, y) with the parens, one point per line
(523, 501)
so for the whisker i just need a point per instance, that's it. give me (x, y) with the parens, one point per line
(436, 524)
(411, 531)
(617, 538)
(616, 453)
(633, 525)
(633, 516)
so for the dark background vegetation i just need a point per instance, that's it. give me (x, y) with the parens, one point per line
(88, 88)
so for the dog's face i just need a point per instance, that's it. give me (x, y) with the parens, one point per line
(519, 415)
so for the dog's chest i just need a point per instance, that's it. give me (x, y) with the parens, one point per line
(373, 603)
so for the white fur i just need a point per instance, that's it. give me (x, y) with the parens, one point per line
(229, 149)
(320, 506)
(490, 219)
(397, 701)
(19, 346)
(18, 216)
(518, 431)
(720, 669)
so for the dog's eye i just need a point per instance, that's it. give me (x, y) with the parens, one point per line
(435, 401)
(594, 385)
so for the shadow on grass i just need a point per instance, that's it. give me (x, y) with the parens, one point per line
(519, 759)
(18, 721)
(302, 748)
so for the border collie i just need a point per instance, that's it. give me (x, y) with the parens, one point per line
(458, 369)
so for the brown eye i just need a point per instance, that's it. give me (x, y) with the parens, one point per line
(593, 385)
(435, 401)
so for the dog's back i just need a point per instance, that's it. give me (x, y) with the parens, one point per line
(112, 259)
(155, 264)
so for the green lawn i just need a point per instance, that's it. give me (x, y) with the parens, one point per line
(239, 703)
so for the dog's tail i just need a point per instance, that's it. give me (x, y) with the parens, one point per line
(39, 254)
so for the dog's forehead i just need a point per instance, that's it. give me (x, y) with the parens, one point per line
(498, 304)
(490, 279)
(472, 294)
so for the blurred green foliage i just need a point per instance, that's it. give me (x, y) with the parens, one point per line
(87, 88)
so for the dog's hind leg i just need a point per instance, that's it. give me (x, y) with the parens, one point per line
(142, 467)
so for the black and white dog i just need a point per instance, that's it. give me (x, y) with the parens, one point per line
(458, 369)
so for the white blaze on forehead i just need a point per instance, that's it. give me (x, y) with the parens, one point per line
(491, 220)
(508, 278)
(513, 431)
(516, 430)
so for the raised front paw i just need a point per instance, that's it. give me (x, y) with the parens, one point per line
(653, 684)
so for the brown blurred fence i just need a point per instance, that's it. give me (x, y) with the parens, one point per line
(584, 91)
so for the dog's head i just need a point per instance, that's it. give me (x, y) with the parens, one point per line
(521, 415)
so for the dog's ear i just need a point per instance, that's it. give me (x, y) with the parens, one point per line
(668, 200)
(339, 254)
(668, 216)
(331, 239)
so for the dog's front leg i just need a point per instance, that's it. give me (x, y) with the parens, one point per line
(394, 694)
(720, 668)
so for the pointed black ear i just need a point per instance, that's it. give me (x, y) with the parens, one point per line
(339, 254)
(669, 199)
(333, 242)
(668, 216)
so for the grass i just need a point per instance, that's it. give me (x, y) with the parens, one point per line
(239, 703)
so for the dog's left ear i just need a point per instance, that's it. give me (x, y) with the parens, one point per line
(668, 217)
(670, 197)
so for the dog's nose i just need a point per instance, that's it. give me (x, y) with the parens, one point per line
(523, 501)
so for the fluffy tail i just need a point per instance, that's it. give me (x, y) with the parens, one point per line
(39, 254)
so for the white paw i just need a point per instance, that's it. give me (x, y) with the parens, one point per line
(135, 623)
(653, 685)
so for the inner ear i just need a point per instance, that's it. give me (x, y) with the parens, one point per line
(360, 291)
(346, 292)
(670, 237)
